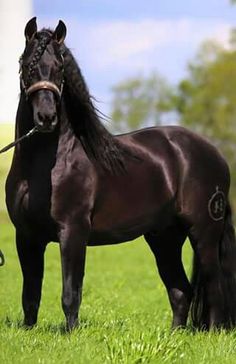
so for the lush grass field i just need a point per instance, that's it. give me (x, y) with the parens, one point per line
(125, 314)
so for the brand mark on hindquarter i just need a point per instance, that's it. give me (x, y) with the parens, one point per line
(216, 205)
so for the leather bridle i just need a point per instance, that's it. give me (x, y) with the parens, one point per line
(44, 85)
(41, 85)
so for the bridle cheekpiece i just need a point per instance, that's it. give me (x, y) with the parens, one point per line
(41, 85)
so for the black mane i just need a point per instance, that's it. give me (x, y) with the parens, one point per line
(99, 144)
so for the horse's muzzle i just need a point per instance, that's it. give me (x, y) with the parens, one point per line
(45, 123)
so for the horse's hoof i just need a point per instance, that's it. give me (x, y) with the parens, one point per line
(71, 326)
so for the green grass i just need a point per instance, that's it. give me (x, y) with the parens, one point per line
(125, 314)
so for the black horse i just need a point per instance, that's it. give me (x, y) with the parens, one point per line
(75, 183)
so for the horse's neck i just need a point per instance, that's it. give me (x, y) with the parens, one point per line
(38, 153)
(67, 139)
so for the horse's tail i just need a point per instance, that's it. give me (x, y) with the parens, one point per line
(227, 258)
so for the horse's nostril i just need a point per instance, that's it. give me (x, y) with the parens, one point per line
(40, 116)
(53, 117)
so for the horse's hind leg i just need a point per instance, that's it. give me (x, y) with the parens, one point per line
(167, 249)
(208, 303)
(31, 256)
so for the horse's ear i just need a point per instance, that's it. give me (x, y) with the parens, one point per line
(30, 29)
(60, 32)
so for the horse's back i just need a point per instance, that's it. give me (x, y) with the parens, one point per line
(187, 150)
(193, 166)
(199, 159)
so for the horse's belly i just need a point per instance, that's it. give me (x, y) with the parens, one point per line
(107, 238)
(119, 234)
(115, 229)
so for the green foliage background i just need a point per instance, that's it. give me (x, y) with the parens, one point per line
(139, 102)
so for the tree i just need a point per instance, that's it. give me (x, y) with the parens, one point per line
(140, 102)
(206, 99)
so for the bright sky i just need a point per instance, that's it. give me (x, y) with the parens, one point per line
(116, 39)
(113, 40)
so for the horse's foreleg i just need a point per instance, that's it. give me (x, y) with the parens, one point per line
(31, 256)
(73, 251)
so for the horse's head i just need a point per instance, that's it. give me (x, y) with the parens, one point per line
(42, 73)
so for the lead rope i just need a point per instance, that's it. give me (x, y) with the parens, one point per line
(9, 146)
(17, 141)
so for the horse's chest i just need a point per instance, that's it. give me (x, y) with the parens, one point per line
(17, 200)
(34, 202)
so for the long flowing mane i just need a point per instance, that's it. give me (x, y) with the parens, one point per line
(98, 143)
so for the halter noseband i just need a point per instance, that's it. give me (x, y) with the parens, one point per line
(43, 85)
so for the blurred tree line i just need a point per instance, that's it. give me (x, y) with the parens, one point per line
(204, 101)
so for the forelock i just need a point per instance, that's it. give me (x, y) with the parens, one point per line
(44, 37)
